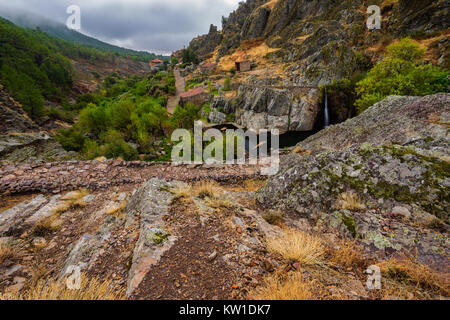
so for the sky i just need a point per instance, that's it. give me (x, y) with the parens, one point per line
(160, 26)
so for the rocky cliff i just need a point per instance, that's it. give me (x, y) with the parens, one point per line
(22, 140)
(311, 44)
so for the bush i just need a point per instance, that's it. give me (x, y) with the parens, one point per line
(71, 139)
(93, 119)
(401, 72)
(227, 84)
(190, 56)
(184, 117)
(116, 147)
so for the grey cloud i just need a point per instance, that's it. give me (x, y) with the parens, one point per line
(152, 25)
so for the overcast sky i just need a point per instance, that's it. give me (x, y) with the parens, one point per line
(160, 26)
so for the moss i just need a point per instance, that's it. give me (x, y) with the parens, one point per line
(350, 223)
(160, 237)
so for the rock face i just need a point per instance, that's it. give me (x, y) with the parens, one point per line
(217, 117)
(206, 44)
(21, 140)
(260, 107)
(392, 161)
(318, 42)
(148, 207)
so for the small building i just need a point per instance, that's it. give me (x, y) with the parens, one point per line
(208, 68)
(156, 64)
(196, 96)
(243, 65)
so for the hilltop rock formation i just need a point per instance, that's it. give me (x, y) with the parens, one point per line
(21, 140)
(207, 43)
(382, 177)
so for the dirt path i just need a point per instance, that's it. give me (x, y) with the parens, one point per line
(180, 84)
(94, 175)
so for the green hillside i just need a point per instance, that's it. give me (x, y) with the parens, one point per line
(60, 31)
(35, 66)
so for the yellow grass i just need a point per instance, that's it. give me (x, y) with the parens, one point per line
(299, 246)
(271, 4)
(348, 254)
(8, 252)
(116, 210)
(410, 270)
(288, 287)
(252, 50)
(205, 189)
(47, 225)
(350, 201)
(218, 203)
(71, 200)
(91, 289)
(202, 190)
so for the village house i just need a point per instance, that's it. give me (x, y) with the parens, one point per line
(196, 96)
(156, 64)
(243, 65)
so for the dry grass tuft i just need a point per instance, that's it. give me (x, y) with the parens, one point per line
(116, 210)
(46, 226)
(348, 254)
(299, 246)
(299, 150)
(218, 203)
(350, 201)
(8, 253)
(274, 217)
(71, 200)
(206, 189)
(284, 287)
(91, 289)
(409, 270)
(202, 190)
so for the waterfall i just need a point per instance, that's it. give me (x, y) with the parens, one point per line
(326, 112)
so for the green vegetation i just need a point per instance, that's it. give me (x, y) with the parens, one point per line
(31, 69)
(189, 57)
(127, 118)
(402, 72)
(35, 67)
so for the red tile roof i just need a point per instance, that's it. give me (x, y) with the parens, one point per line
(192, 93)
(157, 61)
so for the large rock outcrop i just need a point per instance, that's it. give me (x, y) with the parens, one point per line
(260, 107)
(383, 177)
(22, 140)
(207, 43)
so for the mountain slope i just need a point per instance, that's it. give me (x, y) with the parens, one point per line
(60, 31)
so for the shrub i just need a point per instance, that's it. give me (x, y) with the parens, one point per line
(190, 56)
(116, 147)
(227, 84)
(93, 119)
(184, 117)
(71, 139)
(401, 72)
